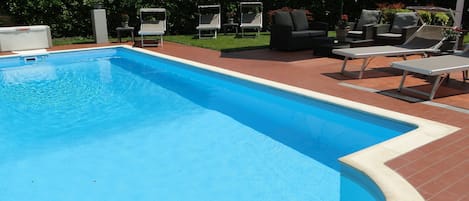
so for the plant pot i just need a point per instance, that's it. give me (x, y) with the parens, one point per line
(230, 21)
(447, 45)
(125, 24)
(341, 34)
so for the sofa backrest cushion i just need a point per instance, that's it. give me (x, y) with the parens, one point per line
(299, 20)
(368, 17)
(402, 20)
(283, 18)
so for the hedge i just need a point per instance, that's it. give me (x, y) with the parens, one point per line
(72, 17)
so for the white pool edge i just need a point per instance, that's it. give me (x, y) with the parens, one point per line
(371, 161)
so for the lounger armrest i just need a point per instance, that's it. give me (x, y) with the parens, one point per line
(408, 31)
(381, 28)
(323, 26)
(368, 30)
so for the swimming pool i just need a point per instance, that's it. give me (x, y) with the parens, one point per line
(115, 124)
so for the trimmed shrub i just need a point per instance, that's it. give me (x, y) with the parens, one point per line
(441, 19)
(426, 16)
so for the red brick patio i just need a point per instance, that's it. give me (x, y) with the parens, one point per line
(439, 170)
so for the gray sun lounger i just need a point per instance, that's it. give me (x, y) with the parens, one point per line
(426, 39)
(209, 21)
(152, 22)
(438, 67)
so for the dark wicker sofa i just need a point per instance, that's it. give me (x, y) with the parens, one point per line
(291, 31)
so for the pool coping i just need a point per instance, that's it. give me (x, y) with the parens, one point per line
(370, 161)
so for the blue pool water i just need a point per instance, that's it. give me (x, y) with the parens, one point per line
(114, 124)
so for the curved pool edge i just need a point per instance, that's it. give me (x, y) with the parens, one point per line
(370, 161)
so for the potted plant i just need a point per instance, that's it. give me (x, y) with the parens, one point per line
(125, 20)
(342, 28)
(451, 36)
(231, 13)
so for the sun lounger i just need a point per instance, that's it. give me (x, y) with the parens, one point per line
(427, 38)
(209, 19)
(153, 22)
(251, 16)
(438, 67)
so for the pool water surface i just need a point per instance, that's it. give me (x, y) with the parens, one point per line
(114, 124)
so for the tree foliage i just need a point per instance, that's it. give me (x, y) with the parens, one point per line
(73, 18)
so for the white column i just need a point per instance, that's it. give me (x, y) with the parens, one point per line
(98, 19)
(459, 12)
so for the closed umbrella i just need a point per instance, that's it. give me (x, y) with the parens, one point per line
(459, 11)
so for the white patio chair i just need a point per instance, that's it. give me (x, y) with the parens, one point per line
(153, 23)
(209, 19)
(251, 16)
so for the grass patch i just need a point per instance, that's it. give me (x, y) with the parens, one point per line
(81, 40)
(224, 43)
(71, 40)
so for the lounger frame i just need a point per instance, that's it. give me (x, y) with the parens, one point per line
(258, 16)
(437, 67)
(149, 32)
(210, 27)
(368, 53)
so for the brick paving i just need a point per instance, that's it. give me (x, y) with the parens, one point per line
(439, 170)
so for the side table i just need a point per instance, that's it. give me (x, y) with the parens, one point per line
(323, 46)
(230, 26)
(124, 29)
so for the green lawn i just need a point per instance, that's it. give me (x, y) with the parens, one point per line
(225, 43)
(71, 40)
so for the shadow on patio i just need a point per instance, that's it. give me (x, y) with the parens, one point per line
(272, 55)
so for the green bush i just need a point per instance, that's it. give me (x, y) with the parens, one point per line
(388, 13)
(426, 16)
(440, 18)
(66, 18)
(72, 17)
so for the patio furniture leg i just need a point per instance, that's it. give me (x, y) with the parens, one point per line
(141, 39)
(365, 63)
(404, 75)
(465, 75)
(161, 40)
(436, 85)
(119, 36)
(343, 65)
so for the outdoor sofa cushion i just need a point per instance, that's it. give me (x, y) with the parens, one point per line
(368, 17)
(299, 20)
(291, 30)
(283, 18)
(402, 20)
